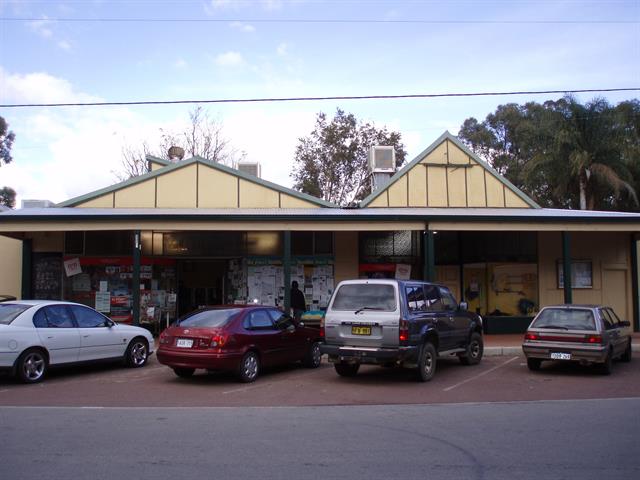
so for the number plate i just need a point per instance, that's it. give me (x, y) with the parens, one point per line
(184, 343)
(560, 356)
(360, 330)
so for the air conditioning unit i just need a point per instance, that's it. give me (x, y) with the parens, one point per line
(252, 168)
(37, 203)
(382, 159)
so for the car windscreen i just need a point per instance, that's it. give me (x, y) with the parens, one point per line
(9, 312)
(565, 319)
(367, 296)
(208, 318)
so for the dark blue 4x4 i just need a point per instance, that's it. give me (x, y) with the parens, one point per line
(398, 323)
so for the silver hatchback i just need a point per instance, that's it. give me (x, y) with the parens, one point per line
(587, 334)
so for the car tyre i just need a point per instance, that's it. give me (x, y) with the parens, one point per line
(314, 356)
(137, 353)
(346, 369)
(184, 372)
(474, 352)
(249, 367)
(534, 364)
(32, 366)
(626, 356)
(427, 362)
(607, 367)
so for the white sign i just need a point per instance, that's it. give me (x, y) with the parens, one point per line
(103, 302)
(72, 267)
(403, 271)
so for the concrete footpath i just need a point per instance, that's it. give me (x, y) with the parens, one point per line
(511, 344)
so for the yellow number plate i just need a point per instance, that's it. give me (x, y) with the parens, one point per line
(360, 330)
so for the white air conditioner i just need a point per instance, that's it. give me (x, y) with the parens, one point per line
(382, 159)
(252, 168)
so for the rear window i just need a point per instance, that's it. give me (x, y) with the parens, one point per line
(208, 318)
(9, 311)
(565, 319)
(369, 296)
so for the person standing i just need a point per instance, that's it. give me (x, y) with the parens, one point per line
(298, 303)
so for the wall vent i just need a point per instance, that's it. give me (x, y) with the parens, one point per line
(252, 168)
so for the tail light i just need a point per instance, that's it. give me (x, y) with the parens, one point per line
(403, 335)
(593, 339)
(531, 336)
(218, 341)
(322, 327)
(164, 338)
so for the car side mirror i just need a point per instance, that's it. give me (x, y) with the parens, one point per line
(625, 323)
(109, 323)
(463, 306)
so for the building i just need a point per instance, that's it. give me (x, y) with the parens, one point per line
(194, 233)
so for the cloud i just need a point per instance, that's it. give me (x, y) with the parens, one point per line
(243, 27)
(283, 49)
(41, 27)
(229, 59)
(64, 45)
(180, 64)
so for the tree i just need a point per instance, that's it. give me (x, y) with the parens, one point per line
(7, 194)
(561, 153)
(203, 137)
(332, 162)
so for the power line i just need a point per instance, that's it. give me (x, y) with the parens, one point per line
(312, 99)
(314, 20)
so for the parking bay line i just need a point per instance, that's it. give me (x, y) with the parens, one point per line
(480, 374)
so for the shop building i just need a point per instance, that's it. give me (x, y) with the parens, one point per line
(194, 233)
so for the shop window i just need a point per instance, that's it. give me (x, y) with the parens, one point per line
(108, 243)
(581, 274)
(323, 244)
(302, 243)
(74, 243)
(204, 244)
(264, 243)
(395, 247)
(147, 243)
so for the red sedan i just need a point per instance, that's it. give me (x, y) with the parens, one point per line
(241, 339)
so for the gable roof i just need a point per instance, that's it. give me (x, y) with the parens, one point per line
(171, 167)
(443, 138)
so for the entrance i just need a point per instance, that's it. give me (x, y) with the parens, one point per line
(200, 283)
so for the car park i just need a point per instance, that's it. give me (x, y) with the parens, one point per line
(398, 323)
(240, 339)
(38, 334)
(586, 334)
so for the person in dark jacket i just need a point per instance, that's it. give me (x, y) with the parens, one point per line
(298, 303)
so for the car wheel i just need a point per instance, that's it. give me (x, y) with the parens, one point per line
(606, 367)
(534, 364)
(626, 356)
(314, 356)
(249, 367)
(31, 366)
(346, 369)
(474, 352)
(137, 353)
(427, 363)
(184, 372)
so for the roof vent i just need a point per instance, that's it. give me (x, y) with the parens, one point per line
(175, 154)
(37, 203)
(252, 168)
(382, 164)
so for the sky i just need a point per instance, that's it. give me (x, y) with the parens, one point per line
(83, 51)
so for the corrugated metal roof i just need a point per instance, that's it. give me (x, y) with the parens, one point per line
(394, 214)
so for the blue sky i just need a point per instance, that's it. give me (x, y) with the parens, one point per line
(251, 49)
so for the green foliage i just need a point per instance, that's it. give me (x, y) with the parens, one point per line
(332, 162)
(7, 194)
(562, 153)
(8, 197)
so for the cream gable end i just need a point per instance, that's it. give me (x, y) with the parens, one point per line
(195, 183)
(447, 174)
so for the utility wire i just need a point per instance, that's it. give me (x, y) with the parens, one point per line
(312, 99)
(315, 20)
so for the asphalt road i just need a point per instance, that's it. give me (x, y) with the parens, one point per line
(496, 379)
(585, 439)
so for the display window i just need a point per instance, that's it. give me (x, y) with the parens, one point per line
(106, 284)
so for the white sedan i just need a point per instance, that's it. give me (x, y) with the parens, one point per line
(38, 334)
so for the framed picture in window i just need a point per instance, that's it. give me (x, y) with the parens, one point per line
(581, 274)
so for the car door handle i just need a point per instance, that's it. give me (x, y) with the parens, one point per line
(86, 336)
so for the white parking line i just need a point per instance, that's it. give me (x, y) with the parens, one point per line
(480, 374)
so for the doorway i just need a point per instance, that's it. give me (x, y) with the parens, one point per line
(200, 283)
